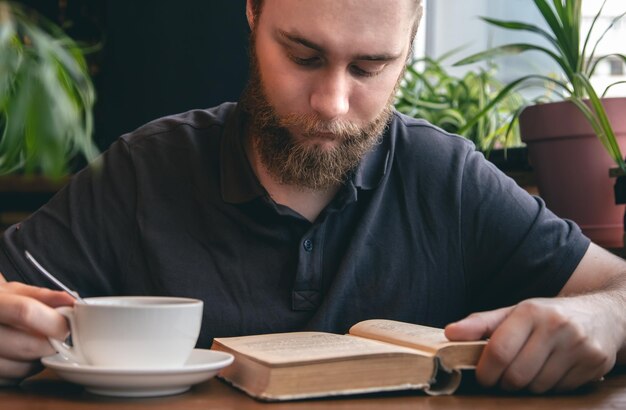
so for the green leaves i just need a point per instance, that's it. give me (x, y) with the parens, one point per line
(563, 18)
(428, 91)
(46, 97)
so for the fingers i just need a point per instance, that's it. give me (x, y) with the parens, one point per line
(22, 312)
(504, 346)
(53, 298)
(538, 346)
(574, 378)
(27, 319)
(520, 347)
(528, 363)
(19, 355)
(560, 374)
(22, 346)
(477, 325)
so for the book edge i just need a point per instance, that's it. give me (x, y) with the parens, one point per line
(338, 393)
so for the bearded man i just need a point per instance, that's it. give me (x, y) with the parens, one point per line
(312, 204)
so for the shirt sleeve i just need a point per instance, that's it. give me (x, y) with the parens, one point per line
(83, 234)
(513, 246)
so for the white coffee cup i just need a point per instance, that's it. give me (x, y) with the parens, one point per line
(132, 331)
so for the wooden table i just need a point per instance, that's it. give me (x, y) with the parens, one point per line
(46, 392)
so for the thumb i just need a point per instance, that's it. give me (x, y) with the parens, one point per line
(477, 325)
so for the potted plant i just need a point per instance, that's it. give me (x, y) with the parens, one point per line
(46, 109)
(430, 92)
(572, 143)
(46, 96)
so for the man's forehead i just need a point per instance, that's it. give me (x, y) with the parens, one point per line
(356, 9)
(257, 4)
(364, 26)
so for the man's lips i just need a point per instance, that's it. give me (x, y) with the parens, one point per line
(314, 135)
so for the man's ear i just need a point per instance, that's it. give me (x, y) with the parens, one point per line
(250, 14)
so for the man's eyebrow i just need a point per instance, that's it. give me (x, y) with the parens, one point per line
(293, 38)
(299, 40)
(377, 57)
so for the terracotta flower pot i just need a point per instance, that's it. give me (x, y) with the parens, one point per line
(572, 166)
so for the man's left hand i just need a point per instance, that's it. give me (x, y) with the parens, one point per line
(542, 344)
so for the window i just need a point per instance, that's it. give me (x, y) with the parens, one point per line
(454, 24)
(616, 67)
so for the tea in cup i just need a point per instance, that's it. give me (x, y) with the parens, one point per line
(132, 331)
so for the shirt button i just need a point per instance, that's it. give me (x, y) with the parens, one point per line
(308, 245)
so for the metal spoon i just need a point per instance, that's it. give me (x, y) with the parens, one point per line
(57, 282)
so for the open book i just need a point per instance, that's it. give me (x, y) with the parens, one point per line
(376, 355)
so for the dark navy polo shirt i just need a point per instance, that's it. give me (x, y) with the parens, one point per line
(424, 231)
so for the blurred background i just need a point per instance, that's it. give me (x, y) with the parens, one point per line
(155, 58)
(473, 35)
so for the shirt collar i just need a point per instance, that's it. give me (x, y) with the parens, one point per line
(373, 166)
(240, 184)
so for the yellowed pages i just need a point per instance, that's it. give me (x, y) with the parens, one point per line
(406, 334)
(304, 347)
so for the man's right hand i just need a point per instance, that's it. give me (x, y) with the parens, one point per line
(27, 319)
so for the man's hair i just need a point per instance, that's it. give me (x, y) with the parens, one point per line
(257, 5)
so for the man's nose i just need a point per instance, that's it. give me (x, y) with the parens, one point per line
(330, 96)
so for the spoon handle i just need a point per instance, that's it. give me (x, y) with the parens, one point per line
(54, 280)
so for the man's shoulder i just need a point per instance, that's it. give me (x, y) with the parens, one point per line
(193, 122)
(417, 137)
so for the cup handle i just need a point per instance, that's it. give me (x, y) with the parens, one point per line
(72, 353)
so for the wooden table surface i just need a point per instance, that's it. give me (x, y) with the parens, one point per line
(47, 392)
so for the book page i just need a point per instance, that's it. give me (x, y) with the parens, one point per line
(405, 334)
(290, 348)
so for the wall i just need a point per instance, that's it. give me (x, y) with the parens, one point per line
(163, 57)
(157, 57)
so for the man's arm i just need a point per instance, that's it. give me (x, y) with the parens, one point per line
(557, 343)
(602, 276)
(27, 318)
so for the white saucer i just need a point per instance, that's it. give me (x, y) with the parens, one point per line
(201, 365)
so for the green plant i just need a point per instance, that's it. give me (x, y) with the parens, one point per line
(430, 92)
(563, 18)
(46, 96)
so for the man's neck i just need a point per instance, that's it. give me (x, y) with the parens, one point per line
(307, 202)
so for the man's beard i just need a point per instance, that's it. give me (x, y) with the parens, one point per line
(306, 164)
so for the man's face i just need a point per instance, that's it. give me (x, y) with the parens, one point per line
(323, 74)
